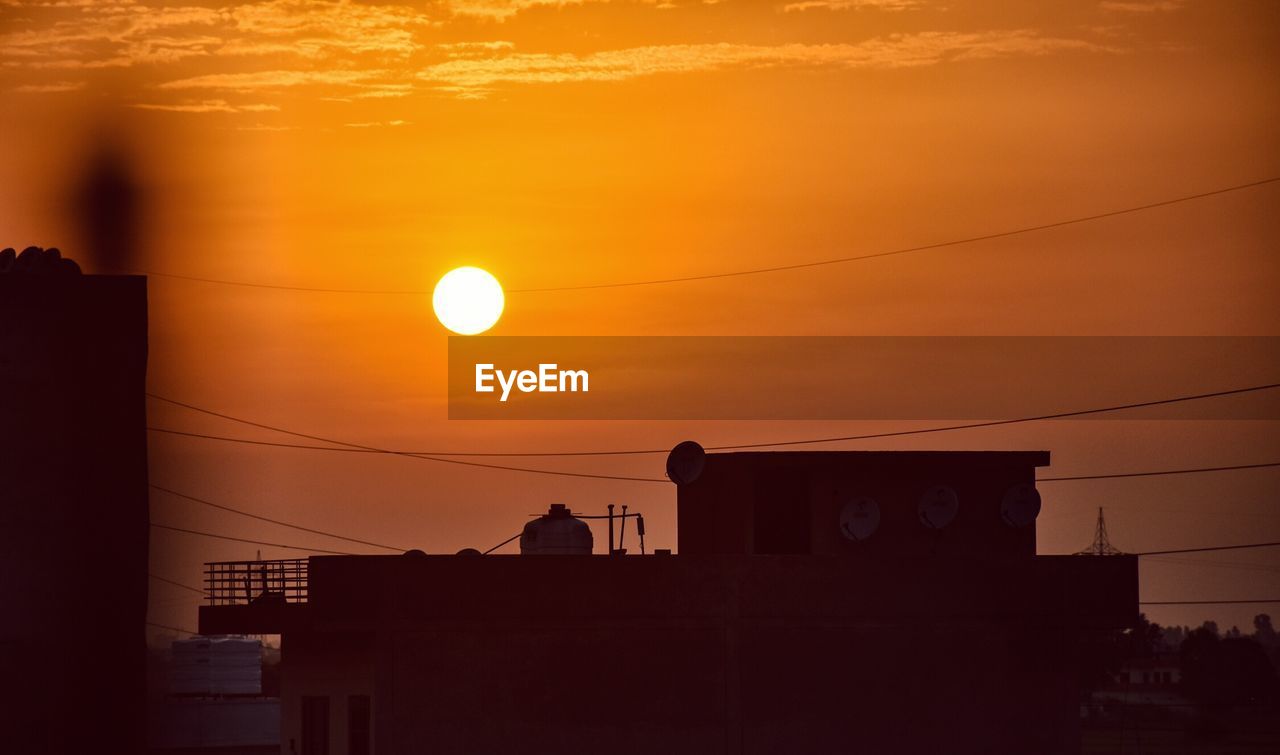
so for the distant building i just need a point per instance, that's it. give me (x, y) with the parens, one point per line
(1141, 684)
(820, 602)
(215, 667)
(215, 704)
(1160, 671)
(73, 507)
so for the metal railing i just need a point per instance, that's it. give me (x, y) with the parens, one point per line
(228, 583)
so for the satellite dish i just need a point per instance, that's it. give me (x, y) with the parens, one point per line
(938, 506)
(1021, 505)
(859, 518)
(685, 462)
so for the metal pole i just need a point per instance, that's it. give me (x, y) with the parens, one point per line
(622, 533)
(640, 531)
(611, 529)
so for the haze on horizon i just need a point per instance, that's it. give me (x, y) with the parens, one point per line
(377, 145)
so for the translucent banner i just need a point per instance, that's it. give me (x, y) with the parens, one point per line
(856, 377)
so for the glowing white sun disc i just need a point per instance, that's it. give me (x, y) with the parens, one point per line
(468, 300)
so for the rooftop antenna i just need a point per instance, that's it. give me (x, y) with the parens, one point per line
(1101, 545)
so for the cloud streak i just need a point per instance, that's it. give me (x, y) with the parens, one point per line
(274, 80)
(126, 33)
(209, 106)
(354, 52)
(476, 75)
(835, 5)
(502, 10)
(51, 87)
(1141, 6)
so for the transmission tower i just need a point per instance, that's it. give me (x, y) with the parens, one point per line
(1101, 545)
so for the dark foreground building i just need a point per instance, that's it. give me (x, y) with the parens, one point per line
(886, 602)
(73, 508)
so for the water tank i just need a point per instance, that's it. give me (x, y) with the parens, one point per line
(556, 533)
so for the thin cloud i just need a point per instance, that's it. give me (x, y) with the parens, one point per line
(1147, 6)
(502, 10)
(208, 106)
(57, 86)
(497, 44)
(474, 49)
(109, 34)
(317, 28)
(125, 33)
(376, 124)
(281, 79)
(265, 127)
(835, 5)
(384, 91)
(357, 51)
(894, 51)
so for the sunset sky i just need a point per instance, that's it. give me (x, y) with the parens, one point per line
(354, 145)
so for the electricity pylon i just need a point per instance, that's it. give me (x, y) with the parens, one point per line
(1101, 545)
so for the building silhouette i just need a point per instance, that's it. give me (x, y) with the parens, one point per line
(73, 514)
(886, 602)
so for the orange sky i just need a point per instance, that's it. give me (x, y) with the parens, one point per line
(344, 144)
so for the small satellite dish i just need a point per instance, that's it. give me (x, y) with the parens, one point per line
(859, 518)
(938, 506)
(685, 462)
(1021, 505)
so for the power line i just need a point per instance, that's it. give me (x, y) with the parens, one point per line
(274, 521)
(1109, 476)
(253, 542)
(303, 446)
(1202, 549)
(999, 422)
(166, 580)
(1201, 563)
(405, 454)
(1208, 548)
(763, 270)
(1203, 602)
(910, 249)
(739, 446)
(1072, 478)
(1157, 473)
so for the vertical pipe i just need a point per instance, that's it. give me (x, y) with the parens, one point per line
(611, 529)
(640, 531)
(622, 533)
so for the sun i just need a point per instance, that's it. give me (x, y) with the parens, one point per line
(468, 300)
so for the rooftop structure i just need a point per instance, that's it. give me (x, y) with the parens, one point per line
(776, 628)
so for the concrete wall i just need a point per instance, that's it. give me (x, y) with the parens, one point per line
(333, 665)
(682, 654)
(215, 723)
(719, 512)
